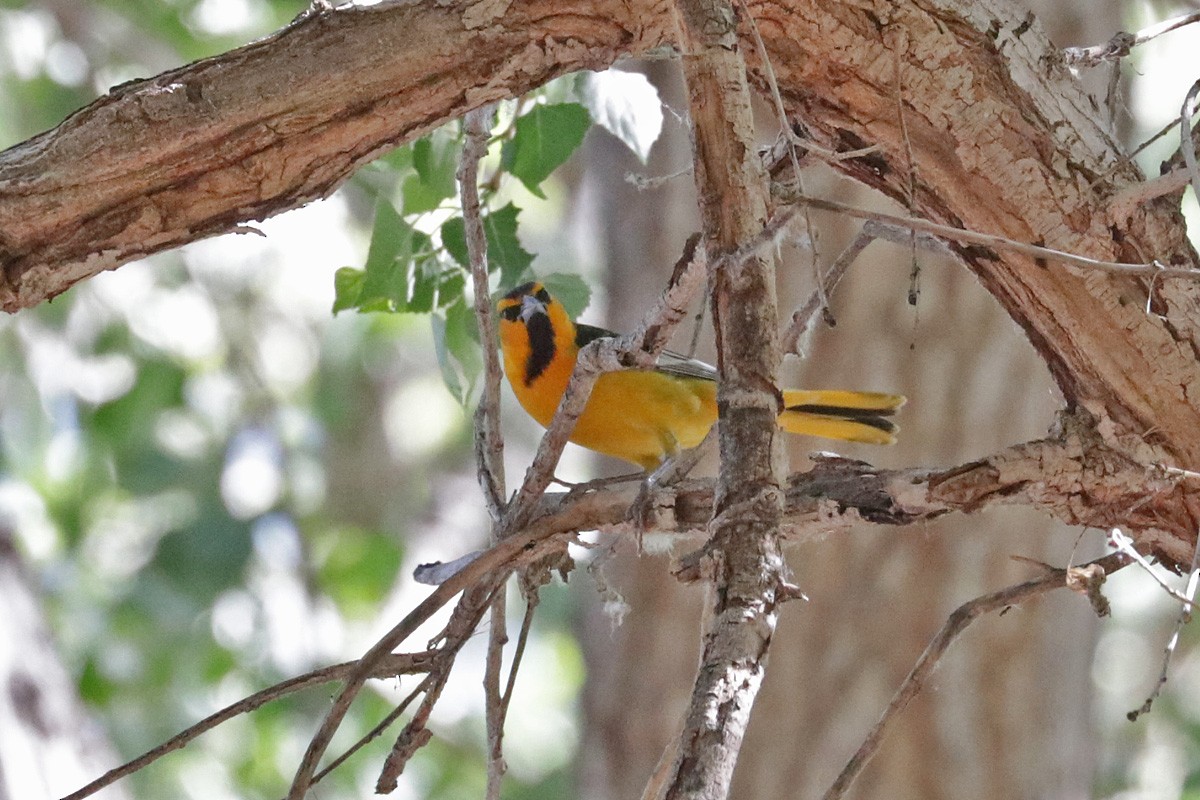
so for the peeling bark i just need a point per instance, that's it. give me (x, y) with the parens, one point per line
(743, 553)
(270, 126)
(1003, 140)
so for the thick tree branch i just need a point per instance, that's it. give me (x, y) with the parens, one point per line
(1072, 477)
(747, 566)
(1004, 140)
(282, 121)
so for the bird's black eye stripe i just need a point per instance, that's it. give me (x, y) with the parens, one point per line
(511, 313)
(542, 295)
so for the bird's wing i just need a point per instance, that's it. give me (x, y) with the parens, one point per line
(669, 362)
(677, 364)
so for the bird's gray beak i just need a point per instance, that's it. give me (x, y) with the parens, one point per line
(530, 306)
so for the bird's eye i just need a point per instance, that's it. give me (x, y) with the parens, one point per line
(511, 313)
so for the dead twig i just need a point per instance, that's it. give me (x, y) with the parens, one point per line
(789, 136)
(493, 700)
(1125, 545)
(489, 448)
(1122, 42)
(958, 621)
(796, 337)
(402, 664)
(489, 439)
(375, 732)
(1152, 268)
(1187, 605)
(1186, 146)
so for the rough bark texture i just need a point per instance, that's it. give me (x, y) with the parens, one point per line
(742, 558)
(1003, 140)
(270, 126)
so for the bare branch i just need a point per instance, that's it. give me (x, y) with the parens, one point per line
(959, 621)
(748, 567)
(1187, 606)
(391, 666)
(377, 731)
(1153, 500)
(1152, 268)
(1186, 145)
(1122, 43)
(797, 334)
(1125, 545)
(489, 439)
(493, 699)
(199, 149)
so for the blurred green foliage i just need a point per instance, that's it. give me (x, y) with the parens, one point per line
(218, 480)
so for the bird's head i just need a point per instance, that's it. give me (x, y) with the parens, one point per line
(524, 303)
(533, 327)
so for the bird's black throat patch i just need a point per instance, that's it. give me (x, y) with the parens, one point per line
(541, 346)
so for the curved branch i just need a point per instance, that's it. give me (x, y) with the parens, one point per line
(1003, 139)
(273, 125)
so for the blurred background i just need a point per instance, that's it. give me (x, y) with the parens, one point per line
(210, 483)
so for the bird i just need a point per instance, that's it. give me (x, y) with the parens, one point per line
(645, 416)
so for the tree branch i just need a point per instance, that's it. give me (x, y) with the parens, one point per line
(1004, 141)
(748, 568)
(272, 125)
(1088, 577)
(1073, 477)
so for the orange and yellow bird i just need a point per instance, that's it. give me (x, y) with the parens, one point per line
(646, 415)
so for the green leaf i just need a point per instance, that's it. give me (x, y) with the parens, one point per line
(450, 374)
(627, 105)
(391, 237)
(456, 340)
(347, 288)
(543, 139)
(402, 272)
(504, 247)
(570, 290)
(454, 239)
(505, 252)
(435, 159)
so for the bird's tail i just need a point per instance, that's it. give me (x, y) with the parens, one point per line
(834, 414)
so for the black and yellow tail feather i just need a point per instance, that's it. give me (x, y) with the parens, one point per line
(836, 414)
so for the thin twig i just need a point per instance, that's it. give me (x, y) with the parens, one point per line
(958, 621)
(1122, 43)
(795, 337)
(914, 275)
(489, 439)
(488, 436)
(789, 136)
(531, 604)
(401, 664)
(490, 569)
(1185, 616)
(1124, 545)
(470, 609)
(493, 700)
(375, 732)
(1186, 146)
(1001, 243)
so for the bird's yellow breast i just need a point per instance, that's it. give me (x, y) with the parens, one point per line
(641, 416)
